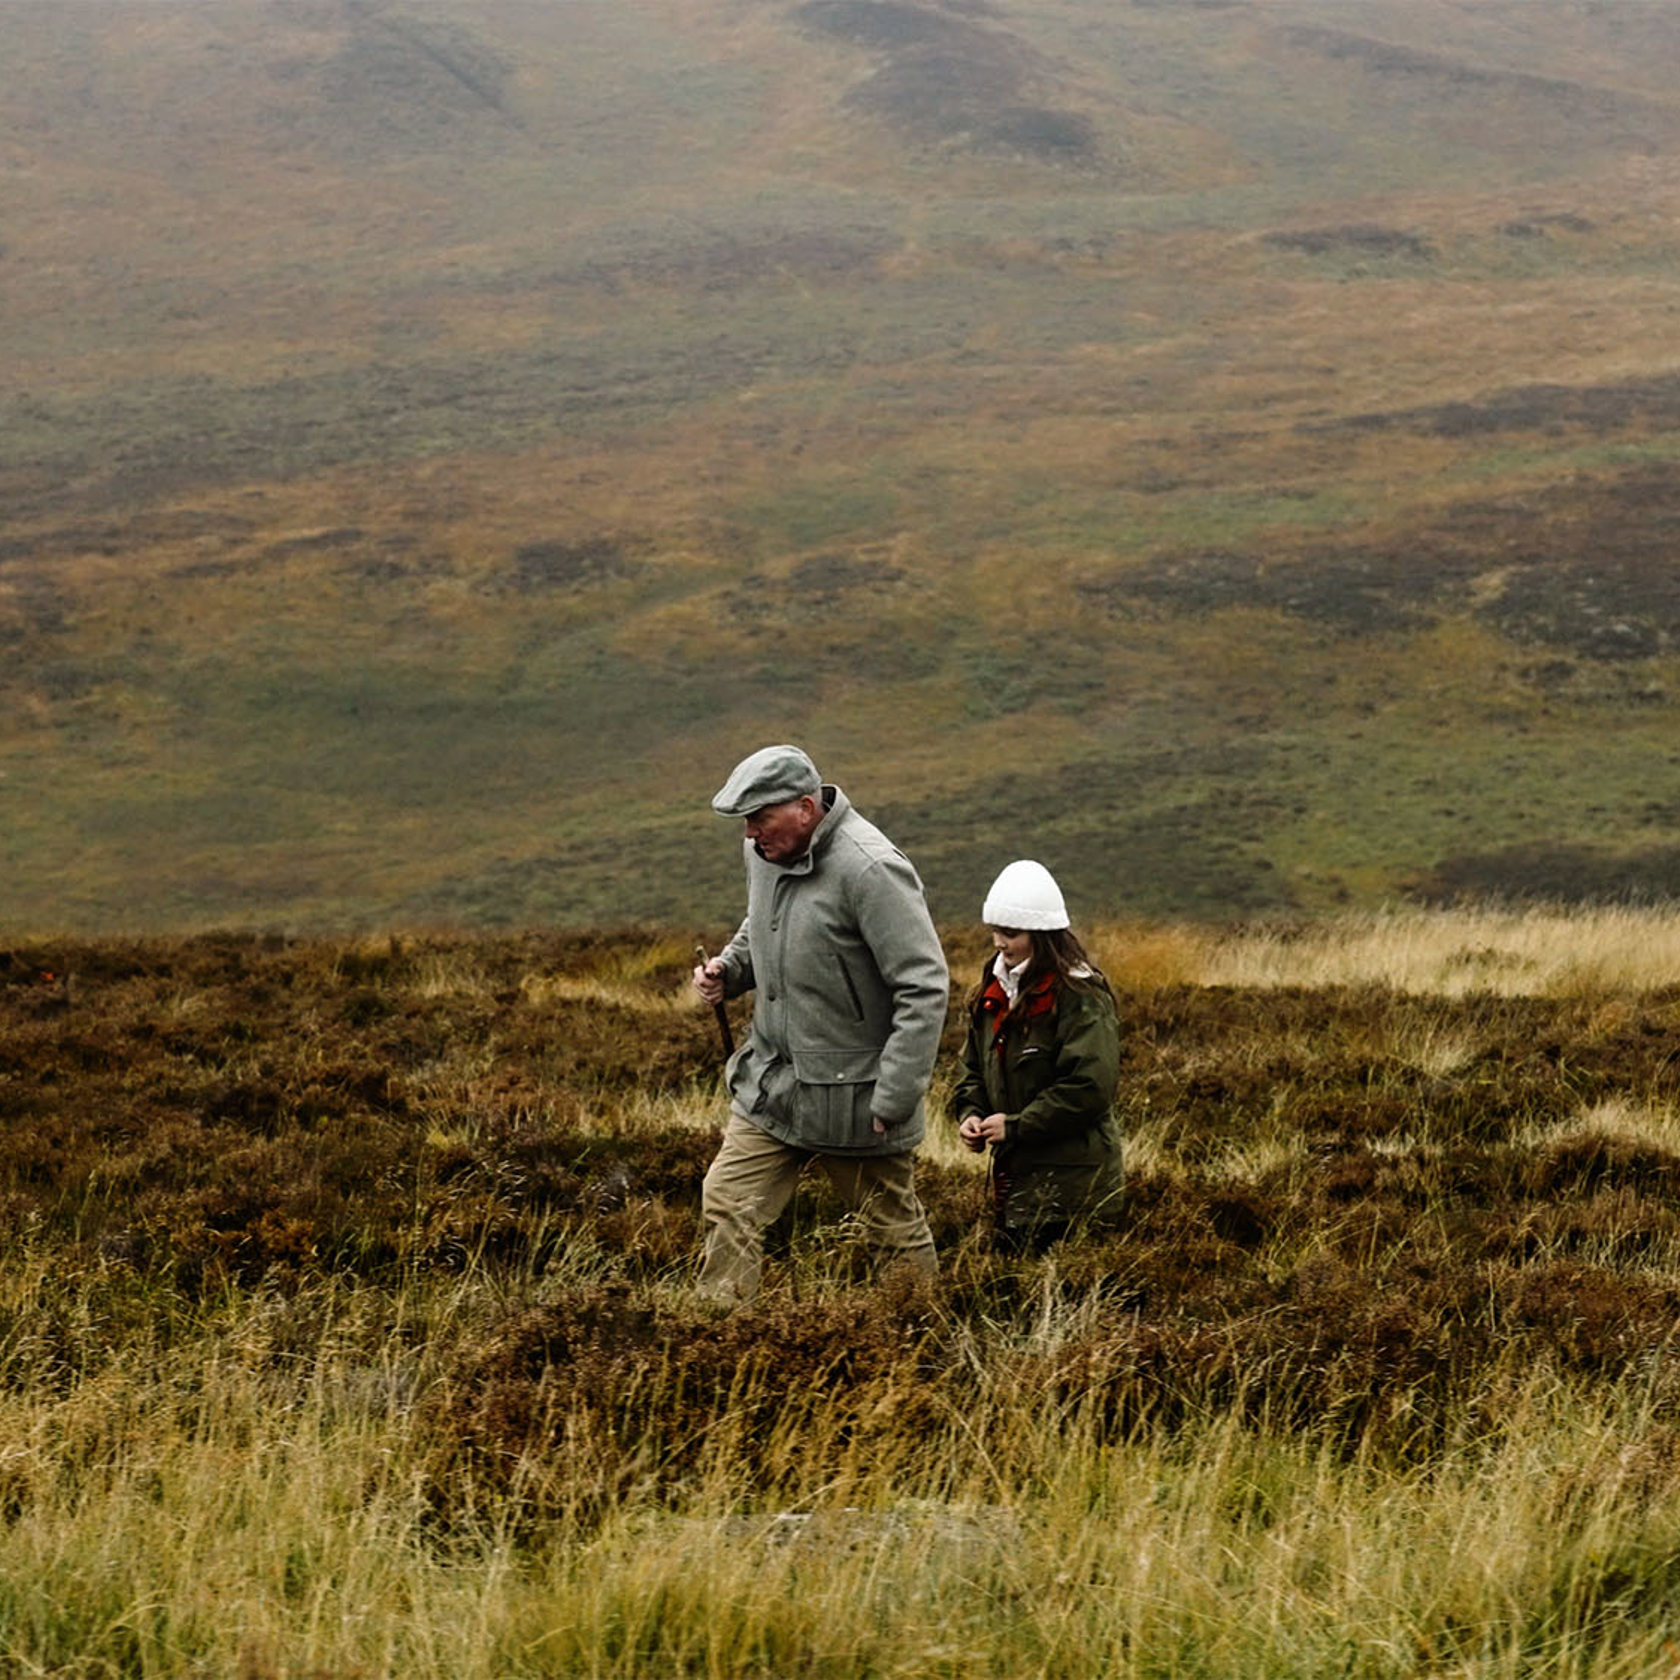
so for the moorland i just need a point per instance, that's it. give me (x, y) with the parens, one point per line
(1232, 440)
(347, 1326)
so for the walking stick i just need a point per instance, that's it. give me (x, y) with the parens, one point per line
(718, 1010)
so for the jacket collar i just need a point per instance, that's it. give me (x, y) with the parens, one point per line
(1035, 999)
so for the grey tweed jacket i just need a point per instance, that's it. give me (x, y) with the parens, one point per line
(852, 990)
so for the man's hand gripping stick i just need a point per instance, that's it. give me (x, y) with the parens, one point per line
(703, 974)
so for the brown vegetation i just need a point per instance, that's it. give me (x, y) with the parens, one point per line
(1350, 1211)
(346, 1327)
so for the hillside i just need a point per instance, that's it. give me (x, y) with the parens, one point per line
(1226, 447)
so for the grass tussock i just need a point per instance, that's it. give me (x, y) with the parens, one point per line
(346, 1328)
(1535, 952)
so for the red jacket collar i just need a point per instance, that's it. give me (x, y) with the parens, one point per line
(1037, 999)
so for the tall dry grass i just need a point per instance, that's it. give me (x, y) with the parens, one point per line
(1535, 952)
(245, 1505)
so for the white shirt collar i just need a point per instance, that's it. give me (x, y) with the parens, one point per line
(1009, 978)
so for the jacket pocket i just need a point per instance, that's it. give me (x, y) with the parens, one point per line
(1028, 1071)
(851, 989)
(772, 1090)
(835, 1095)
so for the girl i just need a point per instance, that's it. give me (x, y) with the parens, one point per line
(1039, 1068)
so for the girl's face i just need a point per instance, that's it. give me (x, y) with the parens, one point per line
(1013, 944)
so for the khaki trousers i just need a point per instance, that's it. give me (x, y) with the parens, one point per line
(752, 1179)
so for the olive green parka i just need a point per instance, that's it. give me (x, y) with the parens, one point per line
(1051, 1065)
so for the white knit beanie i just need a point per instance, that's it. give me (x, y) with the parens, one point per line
(1025, 895)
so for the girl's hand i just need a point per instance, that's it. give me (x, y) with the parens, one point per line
(977, 1132)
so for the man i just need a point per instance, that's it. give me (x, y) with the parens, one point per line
(851, 996)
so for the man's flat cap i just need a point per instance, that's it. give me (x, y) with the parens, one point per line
(770, 776)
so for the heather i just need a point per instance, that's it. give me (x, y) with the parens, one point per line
(346, 1327)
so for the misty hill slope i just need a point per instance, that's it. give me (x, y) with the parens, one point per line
(1225, 449)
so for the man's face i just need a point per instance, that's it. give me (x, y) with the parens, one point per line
(781, 832)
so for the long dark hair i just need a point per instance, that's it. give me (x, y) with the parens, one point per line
(1055, 951)
(1059, 949)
